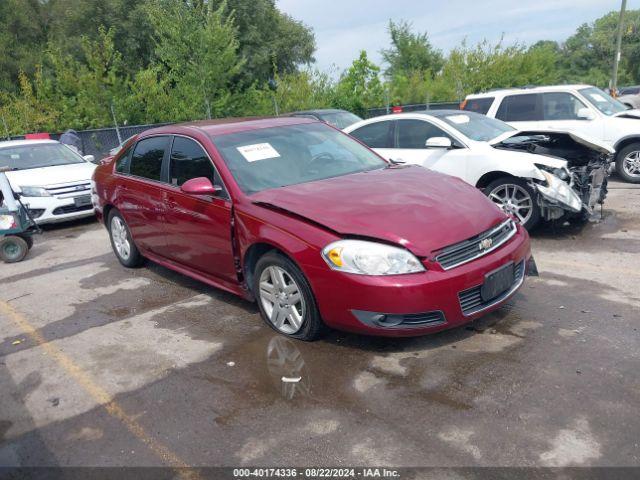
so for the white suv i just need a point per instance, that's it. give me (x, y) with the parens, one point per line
(580, 108)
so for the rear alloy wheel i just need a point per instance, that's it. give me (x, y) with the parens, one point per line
(285, 299)
(13, 249)
(515, 198)
(121, 241)
(628, 163)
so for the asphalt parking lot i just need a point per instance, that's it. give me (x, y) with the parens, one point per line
(103, 366)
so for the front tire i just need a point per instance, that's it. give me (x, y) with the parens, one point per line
(285, 298)
(628, 163)
(515, 197)
(13, 249)
(122, 242)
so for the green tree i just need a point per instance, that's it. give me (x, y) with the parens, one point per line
(359, 86)
(22, 39)
(270, 41)
(197, 48)
(410, 52)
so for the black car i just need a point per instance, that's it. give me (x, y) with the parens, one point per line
(337, 118)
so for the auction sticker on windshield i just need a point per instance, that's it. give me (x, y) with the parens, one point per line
(259, 151)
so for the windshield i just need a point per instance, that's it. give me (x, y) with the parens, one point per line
(602, 101)
(24, 157)
(475, 126)
(340, 120)
(281, 156)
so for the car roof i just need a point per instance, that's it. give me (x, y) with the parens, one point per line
(539, 89)
(225, 126)
(318, 111)
(22, 143)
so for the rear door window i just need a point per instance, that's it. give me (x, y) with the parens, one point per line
(415, 133)
(375, 135)
(478, 105)
(146, 161)
(521, 108)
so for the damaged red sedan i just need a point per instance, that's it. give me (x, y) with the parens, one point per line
(313, 225)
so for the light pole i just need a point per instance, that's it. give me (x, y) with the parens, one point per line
(616, 59)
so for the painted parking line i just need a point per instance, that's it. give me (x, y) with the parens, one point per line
(99, 394)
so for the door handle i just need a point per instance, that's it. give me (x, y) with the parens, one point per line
(168, 200)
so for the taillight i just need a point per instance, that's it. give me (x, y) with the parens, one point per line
(463, 104)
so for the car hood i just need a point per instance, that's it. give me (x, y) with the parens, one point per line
(581, 138)
(419, 209)
(633, 113)
(46, 176)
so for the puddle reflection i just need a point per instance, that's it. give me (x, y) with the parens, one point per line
(287, 368)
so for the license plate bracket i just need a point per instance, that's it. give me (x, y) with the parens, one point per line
(82, 201)
(497, 282)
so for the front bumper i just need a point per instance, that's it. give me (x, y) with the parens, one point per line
(52, 209)
(351, 302)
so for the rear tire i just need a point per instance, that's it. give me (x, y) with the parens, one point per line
(13, 249)
(515, 197)
(628, 163)
(122, 241)
(285, 298)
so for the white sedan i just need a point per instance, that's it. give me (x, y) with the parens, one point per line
(54, 181)
(533, 175)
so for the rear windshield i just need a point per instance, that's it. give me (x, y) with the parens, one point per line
(478, 105)
(25, 157)
(475, 126)
(340, 120)
(280, 156)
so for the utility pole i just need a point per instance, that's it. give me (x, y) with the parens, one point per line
(616, 59)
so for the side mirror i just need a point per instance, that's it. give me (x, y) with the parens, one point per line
(200, 186)
(438, 142)
(90, 158)
(585, 114)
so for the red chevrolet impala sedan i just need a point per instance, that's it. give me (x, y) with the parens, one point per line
(313, 225)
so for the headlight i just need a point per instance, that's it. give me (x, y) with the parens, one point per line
(34, 192)
(370, 258)
(560, 192)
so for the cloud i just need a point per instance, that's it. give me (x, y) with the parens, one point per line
(344, 27)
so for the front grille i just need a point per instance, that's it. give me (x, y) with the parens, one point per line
(71, 209)
(471, 300)
(69, 190)
(478, 246)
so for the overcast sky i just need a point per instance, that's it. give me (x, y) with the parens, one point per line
(344, 27)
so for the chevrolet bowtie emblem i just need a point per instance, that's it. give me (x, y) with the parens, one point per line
(485, 244)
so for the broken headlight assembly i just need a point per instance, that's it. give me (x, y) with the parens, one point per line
(562, 173)
(559, 192)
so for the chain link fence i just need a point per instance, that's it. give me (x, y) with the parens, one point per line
(99, 141)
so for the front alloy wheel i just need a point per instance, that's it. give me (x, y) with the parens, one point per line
(628, 163)
(284, 296)
(515, 198)
(281, 300)
(631, 164)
